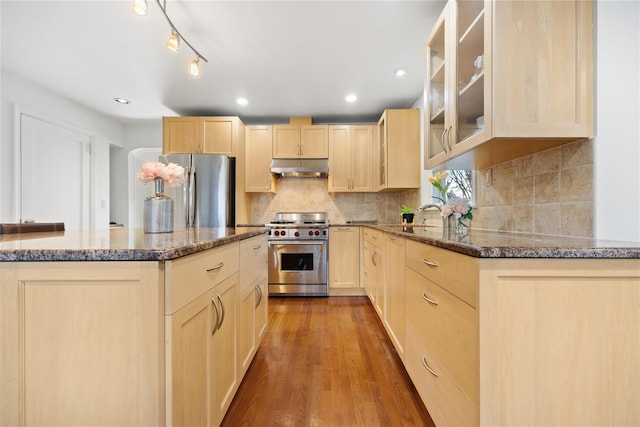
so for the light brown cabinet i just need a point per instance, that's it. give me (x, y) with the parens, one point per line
(211, 135)
(373, 266)
(344, 257)
(258, 146)
(350, 158)
(297, 140)
(253, 299)
(394, 290)
(497, 90)
(396, 157)
(519, 325)
(442, 332)
(203, 311)
(82, 343)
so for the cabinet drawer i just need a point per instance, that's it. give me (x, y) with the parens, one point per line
(189, 277)
(445, 401)
(454, 272)
(450, 328)
(372, 236)
(253, 255)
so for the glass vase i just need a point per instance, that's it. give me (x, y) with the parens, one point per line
(158, 211)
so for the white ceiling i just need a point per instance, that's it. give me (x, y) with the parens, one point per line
(286, 57)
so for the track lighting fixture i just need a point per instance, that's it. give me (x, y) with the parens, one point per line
(140, 8)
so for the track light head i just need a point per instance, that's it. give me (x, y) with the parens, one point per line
(194, 69)
(174, 41)
(140, 7)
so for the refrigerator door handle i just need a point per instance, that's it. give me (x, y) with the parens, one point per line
(190, 210)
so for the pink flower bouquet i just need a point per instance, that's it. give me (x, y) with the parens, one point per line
(172, 174)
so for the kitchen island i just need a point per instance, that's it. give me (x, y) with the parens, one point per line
(119, 327)
(499, 328)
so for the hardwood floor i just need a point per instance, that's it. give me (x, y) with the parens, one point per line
(326, 362)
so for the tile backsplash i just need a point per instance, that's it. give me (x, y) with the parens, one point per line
(310, 194)
(545, 193)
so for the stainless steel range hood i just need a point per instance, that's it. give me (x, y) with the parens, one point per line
(300, 168)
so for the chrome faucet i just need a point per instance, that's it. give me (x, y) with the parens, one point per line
(430, 205)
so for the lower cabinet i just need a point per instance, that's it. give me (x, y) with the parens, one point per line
(81, 343)
(394, 290)
(253, 306)
(203, 357)
(344, 257)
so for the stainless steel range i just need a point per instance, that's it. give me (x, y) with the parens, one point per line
(298, 254)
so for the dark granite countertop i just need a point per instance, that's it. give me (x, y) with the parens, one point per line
(117, 244)
(496, 244)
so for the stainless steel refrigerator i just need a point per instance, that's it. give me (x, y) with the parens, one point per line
(207, 198)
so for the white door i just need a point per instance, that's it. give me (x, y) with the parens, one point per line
(54, 174)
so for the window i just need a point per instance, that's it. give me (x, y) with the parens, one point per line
(461, 185)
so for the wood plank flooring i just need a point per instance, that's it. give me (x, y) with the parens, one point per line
(326, 362)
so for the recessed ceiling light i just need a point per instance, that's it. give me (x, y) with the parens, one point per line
(351, 98)
(399, 72)
(121, 100)
(242, 101)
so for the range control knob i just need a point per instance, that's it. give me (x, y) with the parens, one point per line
(317, 233)
(297, 233)
(310, 233)
(283, 232)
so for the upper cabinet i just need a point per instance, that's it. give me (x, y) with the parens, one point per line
(300, 139)
(211, 135)
(396, 157)
(350, 158)
(506, 79)
(258, 143)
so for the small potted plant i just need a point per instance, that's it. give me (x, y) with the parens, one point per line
(407, 214)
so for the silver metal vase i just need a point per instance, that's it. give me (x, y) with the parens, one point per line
(158, 211)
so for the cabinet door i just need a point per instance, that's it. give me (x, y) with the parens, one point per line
(547, 57)
(223, 377)
(286, 141)
(192, 329)
(314, 141)
(219, 135)
(182, 135)
(339, 159)
(246, 329)
(437, 118)
(344, 257)
(361, 158)
(259, 143)
(403, 148)
(470, 82)
(394, 289)
(82, 343)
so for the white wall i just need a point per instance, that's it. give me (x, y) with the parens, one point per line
(147, 134)
(17, 92)
(617, 144)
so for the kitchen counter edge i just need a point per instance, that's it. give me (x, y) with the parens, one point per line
(498, 244)
(120, 245)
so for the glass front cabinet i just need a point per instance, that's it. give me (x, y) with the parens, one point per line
(516, 74)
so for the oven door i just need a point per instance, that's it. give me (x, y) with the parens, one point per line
(298, 267)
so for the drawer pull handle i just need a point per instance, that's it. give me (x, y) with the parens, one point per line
(430, 263)
(427, 299)
(426, 366)
(215, 327)
(217, 267)
(255, 248)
